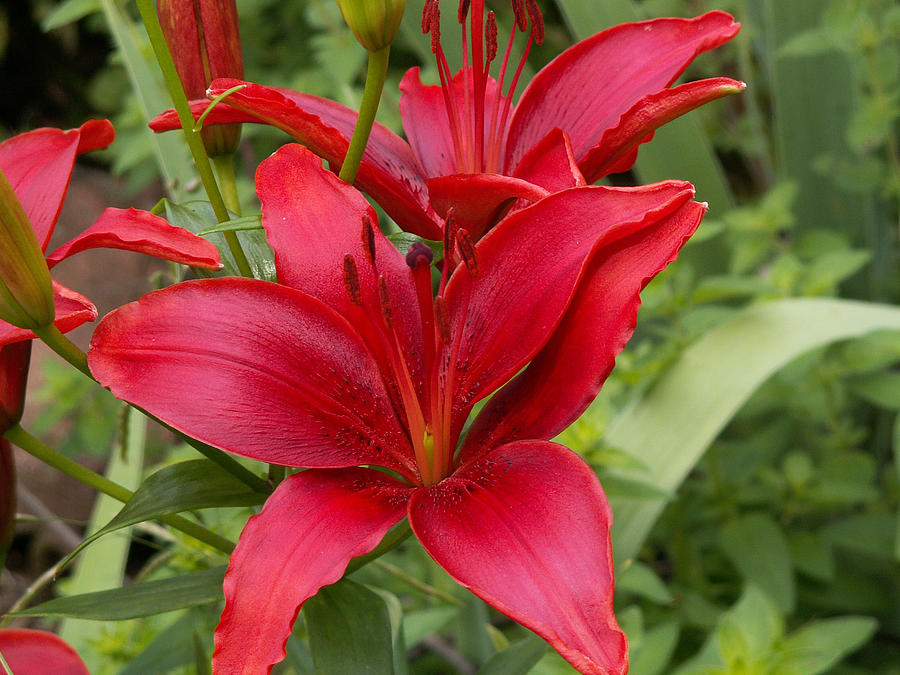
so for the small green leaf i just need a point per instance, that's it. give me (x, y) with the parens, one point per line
(812, 556)
(244, 224)
(819, 645)
(517, 659)
(68, 12)
(757, 547)
(129, 602)
(882, 389)
(349, 631)
(655, 650)
(420, 624)
(641, 580)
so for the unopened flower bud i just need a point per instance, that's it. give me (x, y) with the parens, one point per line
(374, 22)
(26, 292)
(14, 360)
(205, 42)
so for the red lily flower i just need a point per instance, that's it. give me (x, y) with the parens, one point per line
(607, 94)
(37, 652)
(351, 362)
(38, 165)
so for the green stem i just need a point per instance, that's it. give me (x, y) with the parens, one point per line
(276, 474)
(18, 436)
(53, 338)
(183, 109)
(375, 76)
(224, 165)
(411, 581)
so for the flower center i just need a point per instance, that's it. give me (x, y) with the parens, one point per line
(477, 109)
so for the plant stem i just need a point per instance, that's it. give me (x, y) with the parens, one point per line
(183, 108)
(375, 75)
(411, 581)
(224, 165)
(53, 338)
(18, 436)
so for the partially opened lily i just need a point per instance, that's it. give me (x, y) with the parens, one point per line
(353, 362)
(38, 165)
(607, 94)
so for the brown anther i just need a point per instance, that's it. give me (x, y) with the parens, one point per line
(491, 37)
(427, 11)
(537, 21)
(463, 10)
(351, 280)
(435, 29)
(518, 8)
(442, 319)
(385, 301)
(368, 239)
(466, 249)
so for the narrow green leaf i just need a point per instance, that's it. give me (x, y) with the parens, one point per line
(129, 602)
(639, 579)
(244, 224)
(68, 12)
(420, 624)
(757, 547)
(882, 389)
(349, 631)
(172, 647)
(517, 659)
(655, 650)
(819, 645)
(670, 427)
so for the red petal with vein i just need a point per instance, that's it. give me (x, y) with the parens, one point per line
(220, 114)
(388, 172)
(296, 193)
(526, 528)
(37, 652)
(38, 165)
(567, 374)
(479, 200)
(589, 86)
(528, 269)
(72, 310)
(143, 232)
(274, 374)
(551, 164)
(647, 115)
(307, 532)
(427, 126)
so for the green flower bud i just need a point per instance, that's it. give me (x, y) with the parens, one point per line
(205, 41)
(374, 22)
(26, 292)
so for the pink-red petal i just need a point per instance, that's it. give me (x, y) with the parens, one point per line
(72, 310)
(143, 232)
(254, 368)
(586, 89)
(303, 538)
(37, 652)
(526, 528)
(38, 164)
(551, 164)
(566, 375)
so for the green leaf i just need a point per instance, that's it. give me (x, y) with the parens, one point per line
(757, 547)
(882, 389)
(651, 655)
(349, 631)
(69, 11)
(672, 425)
(129, 602)
(244, 224)
(641, 580)
(812, 556)
(173, 647)
(819, 645)
(420, 624)
(517, 659)
(196, 484)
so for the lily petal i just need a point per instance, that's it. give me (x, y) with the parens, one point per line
(37, 652)
(526, 528)
(72, 310)
(612, 154)
(528, 269)
(306, 533)
(274, 374)
(388, 172)
(616, 68)
(38, 165)
(566, 375)
(143, 232)
(551, 164)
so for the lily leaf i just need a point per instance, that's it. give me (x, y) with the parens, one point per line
(673, 424)
(517, 659)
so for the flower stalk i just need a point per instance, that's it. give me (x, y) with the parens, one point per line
(375, 76)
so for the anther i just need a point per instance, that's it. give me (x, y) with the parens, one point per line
(435, 29)
(385, 302)
(427, 11)
(518, 8)
(537, 21)
(351, 279)
(418, 252)
(443, 321)
(491, 37)
(466, 248)
(368, 239)
(463, 10)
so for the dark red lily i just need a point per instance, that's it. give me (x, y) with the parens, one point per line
(37, 652)
(607, 95)
(38, 165)
(351, 362)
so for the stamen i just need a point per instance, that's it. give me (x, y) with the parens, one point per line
(537, 21)
(368, 239)
(435, 30)
(351, 280)
(463, 10)
(385, 301)
(466, 248)
(443, 321)
(518, 8)
(427, 11)
(491, 39)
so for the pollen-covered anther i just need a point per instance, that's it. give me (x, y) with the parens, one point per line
(435, 30)
(491, 37)
(368, 239)
(463, 10)
(518, 8)
(466, 249)
(385, 301)
(427, 10)
(537, 21)
(351, 280)
(442, 319)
